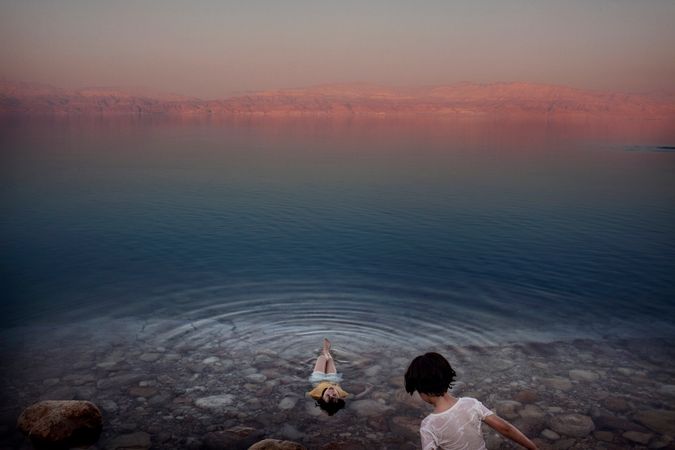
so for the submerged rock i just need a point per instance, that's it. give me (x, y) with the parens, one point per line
(133, 441)
(574, 425)
(276, 444)
(215, 401)
(661, 421)
(61, 423)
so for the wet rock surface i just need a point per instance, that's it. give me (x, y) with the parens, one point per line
(61, 424)
(218, 390)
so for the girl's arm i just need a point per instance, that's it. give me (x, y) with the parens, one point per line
(507, 430)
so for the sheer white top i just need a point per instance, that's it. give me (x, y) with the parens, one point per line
(457, 428)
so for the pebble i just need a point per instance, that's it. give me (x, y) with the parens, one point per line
(133, 441)
(550, 435)
(661, 421)
(575, 425)
(369, 408)
(287, 403)
(215, 401)
(637, 437)
(583, 375)
(562, 384)
(508, 409)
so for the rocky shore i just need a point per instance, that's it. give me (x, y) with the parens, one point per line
(222, 391)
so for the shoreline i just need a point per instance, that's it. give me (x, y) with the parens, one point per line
(210, 394)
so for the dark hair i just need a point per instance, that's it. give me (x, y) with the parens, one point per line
(331, 407)
(429, 374)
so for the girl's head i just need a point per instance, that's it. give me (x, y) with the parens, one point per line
(330, 401)
(429, 374)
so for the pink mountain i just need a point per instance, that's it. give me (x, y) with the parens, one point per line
(342, 99)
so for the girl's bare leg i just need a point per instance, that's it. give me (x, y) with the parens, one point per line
(330, 364)
(320, 365)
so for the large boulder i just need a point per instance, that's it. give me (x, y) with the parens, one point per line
(61, 423)
(276, 444)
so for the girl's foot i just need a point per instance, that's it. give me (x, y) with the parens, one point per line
(326, 348)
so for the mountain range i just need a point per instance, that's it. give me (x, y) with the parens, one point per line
(20, 98)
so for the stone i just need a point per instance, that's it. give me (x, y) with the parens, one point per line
(405, 425)
(211, 360)
(508, 409)
(667, 389)
(256, 377)
(241, 431)
(575, 425)
(132, 441)
(216, 402)
(661, 421)
(617, 424)
(562, 384)
(61, 423)
(276, 444)
(550, 435)
(583, 375)
(139, 391)
(526, 396)
(563, 444)
(637, 437)
(149, 357)
(615, 404)
(119, 381)
(532, 412)
(287, 403)
(368, 408)
(605, 436)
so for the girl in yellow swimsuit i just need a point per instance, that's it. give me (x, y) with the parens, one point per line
(329, 396)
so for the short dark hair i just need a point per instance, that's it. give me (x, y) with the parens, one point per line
(331, 407)
(429, 374)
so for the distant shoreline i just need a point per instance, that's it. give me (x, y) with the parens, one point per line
(348, 100)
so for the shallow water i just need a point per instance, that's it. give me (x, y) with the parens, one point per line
(249, 240)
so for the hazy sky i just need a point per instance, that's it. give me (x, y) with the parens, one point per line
(214, 48)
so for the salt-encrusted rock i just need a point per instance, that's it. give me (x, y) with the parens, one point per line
(61, 423)
(368, 408)
(574, 425)
(637, 437)
(583, 375)
(276, 444)
(215, 401)
(661, 421)
(133, 441)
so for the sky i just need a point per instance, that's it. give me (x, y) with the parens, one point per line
(216, 48)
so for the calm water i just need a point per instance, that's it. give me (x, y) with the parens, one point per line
(465, 231)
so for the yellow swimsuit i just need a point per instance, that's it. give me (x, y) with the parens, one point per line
(319, 388)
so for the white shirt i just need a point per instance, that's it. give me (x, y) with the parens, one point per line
(457, 428)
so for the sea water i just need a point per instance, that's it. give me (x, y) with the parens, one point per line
(149, 264)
